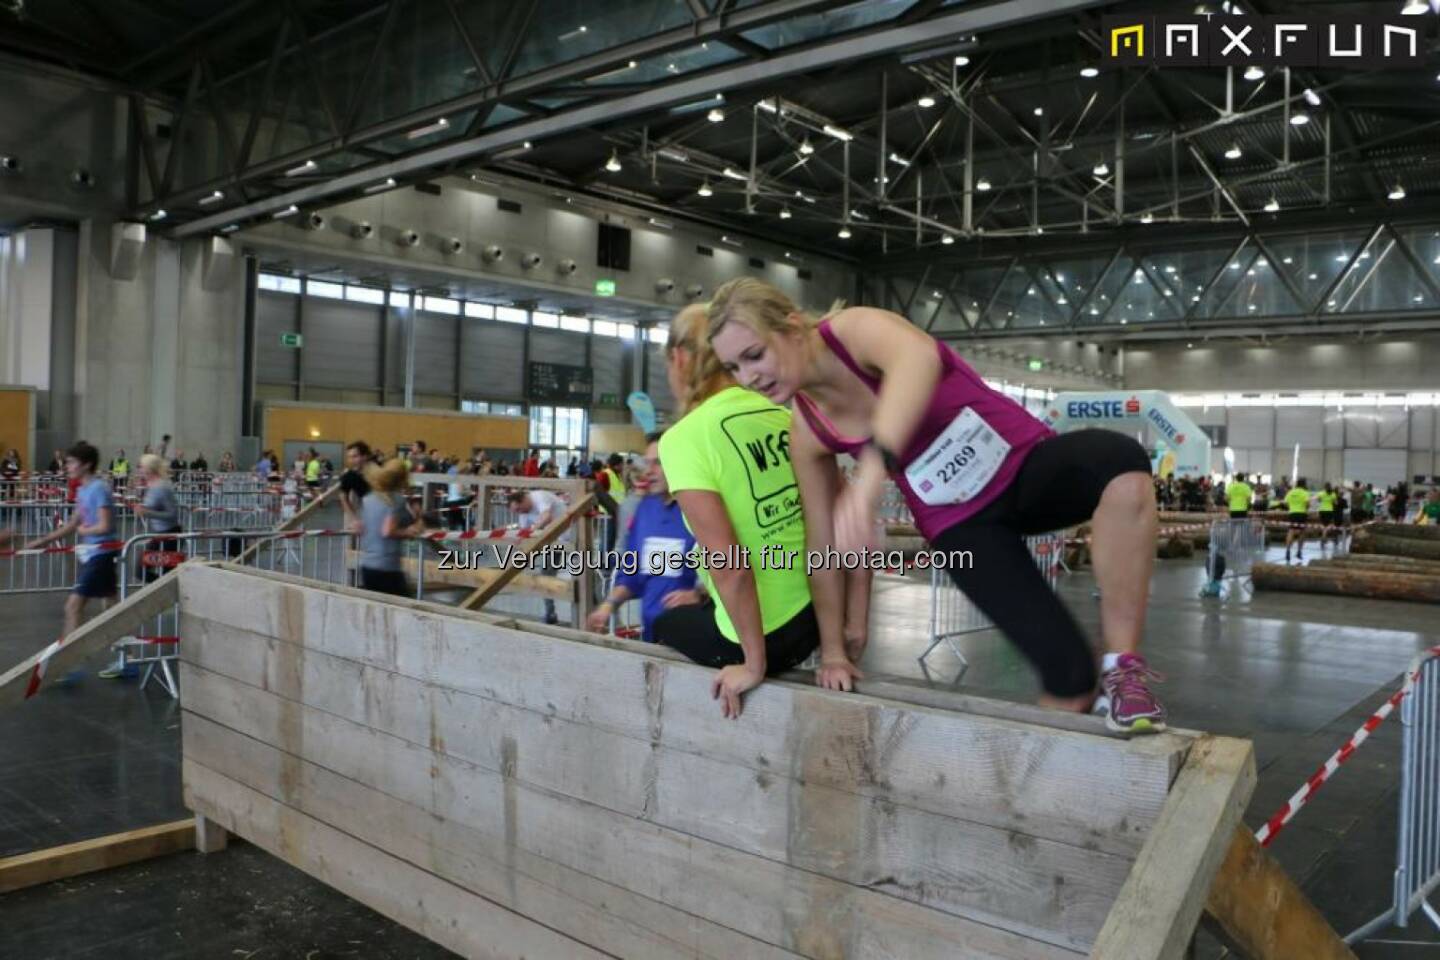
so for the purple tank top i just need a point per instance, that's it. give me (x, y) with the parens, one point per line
(959, 389)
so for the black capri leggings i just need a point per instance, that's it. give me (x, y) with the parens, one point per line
(1059, 485)
(692, 631)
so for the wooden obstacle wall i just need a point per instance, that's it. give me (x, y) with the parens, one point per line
(507, 793)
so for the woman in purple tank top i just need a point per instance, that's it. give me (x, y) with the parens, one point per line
(978, 472)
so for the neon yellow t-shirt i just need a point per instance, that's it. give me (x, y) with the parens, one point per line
(617, 486)
(1239, 494)
(1327, 501)
(1298, 500)
(737, 444)
(312, 471)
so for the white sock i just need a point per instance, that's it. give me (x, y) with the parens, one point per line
(1109, 662)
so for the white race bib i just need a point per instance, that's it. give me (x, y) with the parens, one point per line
(84, 552)
(960, 462)
(654, 554)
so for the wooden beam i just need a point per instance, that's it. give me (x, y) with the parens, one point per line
(101, 853)
(19, 683)
(1156, 912)
(294, 523)
(485, 594)
(525, 583)
(1376, 584)
(1366, 542)
(1259, 909)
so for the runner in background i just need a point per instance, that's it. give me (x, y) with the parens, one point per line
(353, 485)
(535, 510)
(386, 523)
(978, 472)
(1297, 502)
(1238, 494)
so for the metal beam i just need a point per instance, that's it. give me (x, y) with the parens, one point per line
(1279, 267)
(177, 129)
(382, 41)
(1318, 306)
(141, 125)
(267, 88)
(1410, 256)
(865, 46)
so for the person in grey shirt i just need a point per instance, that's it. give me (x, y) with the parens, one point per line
(161, 512)
(386, 523)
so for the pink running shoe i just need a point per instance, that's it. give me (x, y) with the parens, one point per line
(1132, 707)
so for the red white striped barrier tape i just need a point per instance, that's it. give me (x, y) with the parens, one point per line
(1267, 833)
(37, 675)
(109, 546)
(499, 533)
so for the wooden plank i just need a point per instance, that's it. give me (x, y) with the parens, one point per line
(483, 595)
(1259, 909)
(1155, 915)
(101, 853)
(445, 913)
(603, 915)
(780, 905)
(1037, 887)
(210, 837)
(525, 583)
(989, 770)
(96, 634)
(294, 523)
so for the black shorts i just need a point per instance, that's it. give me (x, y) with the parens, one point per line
(1239, 514)
(1059, 484)
(1330, 517)
(1299, 519)
(691, 629)
(96, 577)
(384, 581)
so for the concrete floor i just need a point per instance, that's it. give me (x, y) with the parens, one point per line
(1297, 674)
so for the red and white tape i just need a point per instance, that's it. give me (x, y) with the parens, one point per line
(109, 546)
(1267, 833)
(499, 533)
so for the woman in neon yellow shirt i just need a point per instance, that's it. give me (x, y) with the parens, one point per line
(1297, 501)
(728, 464)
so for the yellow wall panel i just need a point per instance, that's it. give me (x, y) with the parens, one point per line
(17, 422)
(448, 433)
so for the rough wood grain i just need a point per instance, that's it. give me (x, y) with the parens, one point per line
(788, 908)
(101, 853)
(524, 583)
(450, 915)
(1259, 908)
(1407, 531)
(1374, 584)
(1038, 887)
(92, 636)
(1366, 542)
(1155, 915)
(1017, 776)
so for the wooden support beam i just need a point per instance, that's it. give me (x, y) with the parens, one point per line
(210, 837)
(19, 683)
(483, 595)
(1155, 915)
(101, 853)
(294, 523)
(1259, 909)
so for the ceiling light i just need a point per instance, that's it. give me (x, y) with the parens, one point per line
(1419, 297)
(769, 106)
(804, 196)
(806, 147)
(1234, 153)
(925, 102)
(1311, 97)
(705, 190)
(716, 115)
(785, 213)
(1089, 72)
(982, 185)
(1169, 268)
(1253, 73)
(856, 214)
(1288, 260)
(1060, 300)
(1414, 7)
(1195, 298)
(613, 164)
(289, 211)
(670, 153)
(726, 238)
(1398, 193)
(1235, 265)
(1299, 118)
(962, 61)
(1273, 206)
(309, 166)
(1102, 169)
(1147, 217)
(662, 224)
(844, 233)
(946, 239)
(385, 184)
(734, 174)
(230, 228)
(157, 216)
(214, 197)
(1189, 346)
(1314, 276)
(1039, 111)
(837, 133)
(896, 158)
(429, 128)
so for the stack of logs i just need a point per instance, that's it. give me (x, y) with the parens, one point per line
(1388, 561)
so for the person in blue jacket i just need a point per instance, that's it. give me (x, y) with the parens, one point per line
(659, 538)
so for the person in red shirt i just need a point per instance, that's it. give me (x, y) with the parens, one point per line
(531, 466)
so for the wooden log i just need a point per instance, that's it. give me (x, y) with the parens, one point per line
(1259, 909)
(1376, 585)
(101, 853)
(450, 915)
(18, 683)
(1364, 560)
(1172, 548)
(1162, 899)
(1409, 531)
(1367, 542)
(482, 595)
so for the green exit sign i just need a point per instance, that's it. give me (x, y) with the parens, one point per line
(291, 340)
(605, 288)
(609, 399)
(1037, 364)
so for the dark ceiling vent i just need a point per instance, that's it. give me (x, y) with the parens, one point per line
(704, 251)
(803, 274)
(508, 206)
(431, 188)
(757, 263)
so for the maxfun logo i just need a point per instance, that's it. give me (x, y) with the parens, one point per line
(1361, 43)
